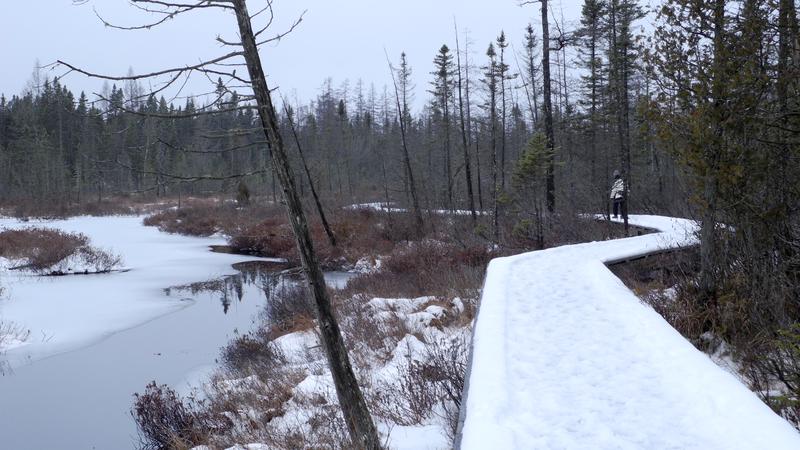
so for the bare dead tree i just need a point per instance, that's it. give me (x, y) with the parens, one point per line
(548, 112)
(317, 203)
(359, 422)
(402, 112)
(464, 130)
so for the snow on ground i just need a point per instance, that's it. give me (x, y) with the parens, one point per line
(565, 356)
(384, 207)
(416, 437)
(418, 320)
(66, 313)
(304, 354)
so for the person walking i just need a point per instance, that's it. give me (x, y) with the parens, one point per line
(618, 195)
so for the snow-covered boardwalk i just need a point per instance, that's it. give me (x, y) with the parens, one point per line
(566, 357)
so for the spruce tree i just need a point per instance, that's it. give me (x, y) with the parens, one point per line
(590, 34)
(442, 90)
(491, 81)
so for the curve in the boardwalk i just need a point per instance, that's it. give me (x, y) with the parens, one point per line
(564, 356)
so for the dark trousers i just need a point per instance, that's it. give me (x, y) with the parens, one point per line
(619, 207)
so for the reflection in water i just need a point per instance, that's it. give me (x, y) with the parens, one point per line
(271, 277)
(267, 275)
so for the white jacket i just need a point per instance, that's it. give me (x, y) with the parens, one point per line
(618, 189)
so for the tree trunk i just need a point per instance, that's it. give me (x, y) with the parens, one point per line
(493, 137)
(532, 75)
(464, 139)
(502, 119)
(478, 165)
(359, 422)
(548, 113)
(593, 115)
(317, 203)
(401, 112)
(708, 234)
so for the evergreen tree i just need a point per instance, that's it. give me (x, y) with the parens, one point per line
(532, 74)
(442, 90)
(503, 74)
(491, 81)
(591, 33)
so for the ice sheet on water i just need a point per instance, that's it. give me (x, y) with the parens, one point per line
(65, 313)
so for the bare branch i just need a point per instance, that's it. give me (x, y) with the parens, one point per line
(189, 178)
(199, 4)
(280, 36)
(194, 67)
(174, 10)
(183, 149)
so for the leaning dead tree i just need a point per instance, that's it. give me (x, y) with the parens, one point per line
(244, 53)
(309, 178)
(402, 114)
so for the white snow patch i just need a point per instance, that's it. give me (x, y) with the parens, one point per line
(417, 437)
(384, 207)
(367, 265)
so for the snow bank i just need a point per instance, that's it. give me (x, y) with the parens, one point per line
(565, 356)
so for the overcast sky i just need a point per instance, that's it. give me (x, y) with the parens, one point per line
(342, 39)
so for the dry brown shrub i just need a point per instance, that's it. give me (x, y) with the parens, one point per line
(252, 353)
(358, 234)
(426, 268)
(518, 231)
(59, 209)
(271, 237)
(204, 217)
(40, 249)
(431, 386)
(99, 260)
(254, 400)
(367, 335)
(289, 311)
(194, 221)
(165, 421)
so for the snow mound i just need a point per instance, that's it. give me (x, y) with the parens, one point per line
(565, 356)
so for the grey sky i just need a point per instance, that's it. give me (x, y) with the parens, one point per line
(338, 39)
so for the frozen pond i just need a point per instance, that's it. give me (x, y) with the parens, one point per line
(95, 340)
